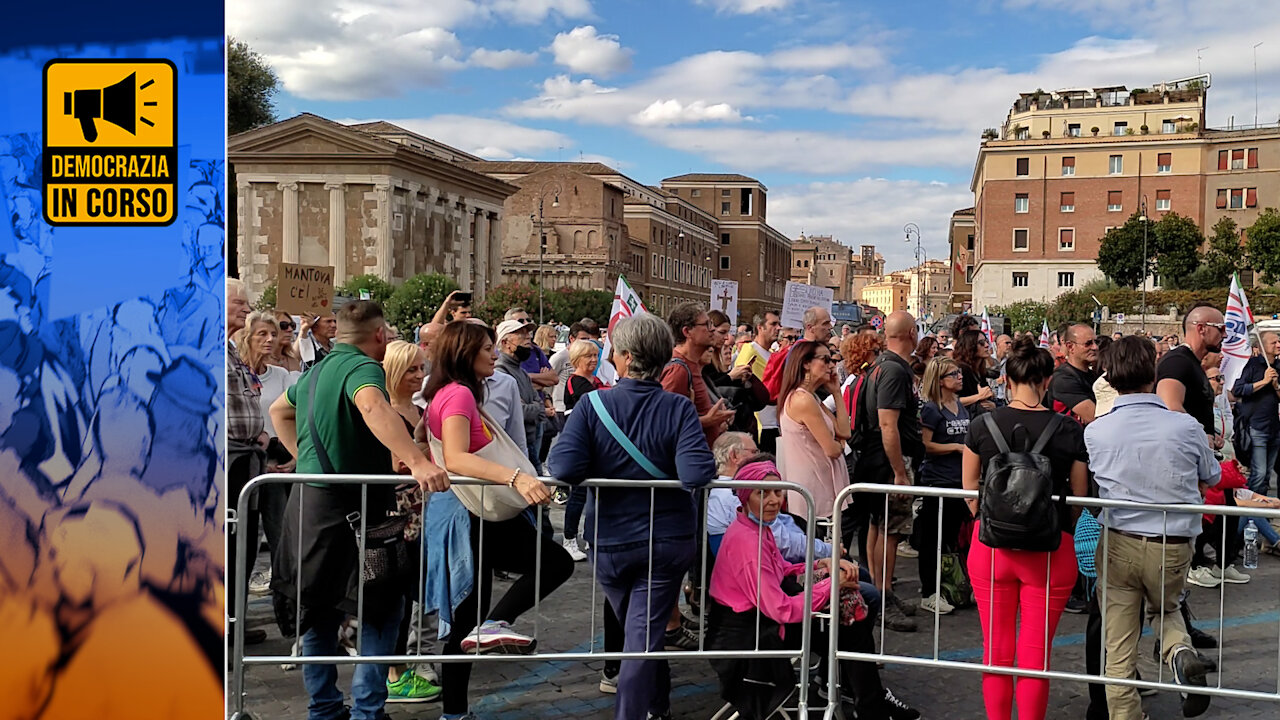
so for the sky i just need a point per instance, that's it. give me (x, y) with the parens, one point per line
(859, 117)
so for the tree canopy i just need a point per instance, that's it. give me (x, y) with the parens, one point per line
(251, 85)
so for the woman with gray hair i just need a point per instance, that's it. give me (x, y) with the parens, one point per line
(638, 431)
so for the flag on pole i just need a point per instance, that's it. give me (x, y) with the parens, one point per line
(1044, 334)
(960, 261)
(1235, 347)
(986, 328)
(626, 302)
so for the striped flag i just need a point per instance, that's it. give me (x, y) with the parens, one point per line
(1044, 334)
(960, 261)
(1235, 347)
(986, 328)
(626, 302)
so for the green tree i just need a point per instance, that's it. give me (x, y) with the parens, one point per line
(1024, 315)
(251, 84)
(1264, 245)
(379, 290)
(569, 305)
(1177, 247)
(1120, 256)
(1224, 255)
(267, 300)
(504, 297)
(415, 301)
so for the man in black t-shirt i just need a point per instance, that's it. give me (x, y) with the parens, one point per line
(1071, 389)
(1180, 380)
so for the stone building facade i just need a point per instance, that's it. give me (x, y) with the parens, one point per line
(371, 198)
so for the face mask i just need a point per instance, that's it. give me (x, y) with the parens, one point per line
(752, 516)
(523, 353)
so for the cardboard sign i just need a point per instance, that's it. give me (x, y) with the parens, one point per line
(799, 297)
(724, 297)
(304, 289)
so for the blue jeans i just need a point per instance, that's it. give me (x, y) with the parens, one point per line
(1267, 532)
(643, 598)
(534, 447)
(1262, 460)
(368, 683)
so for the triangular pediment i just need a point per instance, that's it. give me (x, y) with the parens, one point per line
(307, 134)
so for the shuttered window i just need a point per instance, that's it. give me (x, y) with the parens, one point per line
(1114, 200)
(1068, 202)
(1253, 158)
(1222, 159)
(1164, 162)
(1251, 197)
(1222, 199)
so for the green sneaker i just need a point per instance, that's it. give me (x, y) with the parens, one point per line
(412, 688)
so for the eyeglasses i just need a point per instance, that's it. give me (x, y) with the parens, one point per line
(1087, 343)
(1218, 326)
(954, 373)
(792, 338)
(823, 358)
(1217, 378)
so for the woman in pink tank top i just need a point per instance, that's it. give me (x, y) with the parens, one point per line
(813, 438)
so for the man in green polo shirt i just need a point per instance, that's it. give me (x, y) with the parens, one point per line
(359, 433)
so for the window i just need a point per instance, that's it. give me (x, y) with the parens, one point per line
(1066, 279)
(695, 193)
(724, 262)
(726, 193)
(1068, 166)
(1066, 239)
(1163, 200)
(1222, 199)
(1251, 197)
(724, 238)
(1021, 203)
(1024, 167)
(1121, 128)
(1164, 162)
(1022, 133)
(744, 204)
(1237, 159)
(968, 274)
(1116, 165)
(1167, 127)
(397, 222)
(1068, 202)
(1020, 240)
(1237, 198)
(969, 242)
(1115, 201)
(1222, 159)
(1020, 279)
(1253, 158)
(724, 208)
(1073, 130)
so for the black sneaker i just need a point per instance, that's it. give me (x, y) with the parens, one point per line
(895, 620)
(1077, 605)
(1189, 671)
(906, 608)
(1202, 640)
(899, 710)
(680, 638)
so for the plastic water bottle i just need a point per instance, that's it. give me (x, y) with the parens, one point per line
(1251, 546)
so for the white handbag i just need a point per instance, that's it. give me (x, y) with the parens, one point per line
(489, 501)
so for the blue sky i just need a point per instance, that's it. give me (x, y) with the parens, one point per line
(858, 117)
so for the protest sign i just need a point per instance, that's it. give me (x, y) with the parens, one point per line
(799, 297)
(724, 297)
(305, 289)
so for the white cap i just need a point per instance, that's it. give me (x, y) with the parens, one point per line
(506, 327)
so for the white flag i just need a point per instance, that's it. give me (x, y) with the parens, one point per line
(626, 302)
(1044, 334)
(986, 328)
(1235, 347)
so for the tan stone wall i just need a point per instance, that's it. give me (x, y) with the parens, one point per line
(313, 224)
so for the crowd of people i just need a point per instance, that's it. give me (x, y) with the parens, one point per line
(696, 399)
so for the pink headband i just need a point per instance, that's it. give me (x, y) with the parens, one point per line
(755, 471)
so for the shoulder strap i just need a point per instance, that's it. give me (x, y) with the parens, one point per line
(996, 435)
(688, 371)
(321, 454)
(623, 440)
(1047, 435)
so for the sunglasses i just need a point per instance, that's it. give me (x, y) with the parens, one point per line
(1217, 326)
(954, 373)
(1218, 378)
(823, 358)
(792, 338)
(286, 326)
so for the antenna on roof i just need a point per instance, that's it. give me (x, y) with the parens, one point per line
(1206, 47)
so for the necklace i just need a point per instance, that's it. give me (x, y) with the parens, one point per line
(1028, 405)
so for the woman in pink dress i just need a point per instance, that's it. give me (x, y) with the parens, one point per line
(813, 437)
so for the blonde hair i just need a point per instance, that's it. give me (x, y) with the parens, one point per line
(286, 350)
(931, 386)
(242, 337)
(545, 337)
(400, 357)
(580, 350)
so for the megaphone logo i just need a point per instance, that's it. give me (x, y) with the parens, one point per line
(116, 104)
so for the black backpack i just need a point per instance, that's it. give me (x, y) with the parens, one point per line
(1017, 511)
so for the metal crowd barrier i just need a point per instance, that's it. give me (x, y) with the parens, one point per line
(1101, 508)
(245, 563)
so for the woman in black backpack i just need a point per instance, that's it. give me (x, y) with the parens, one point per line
(1009, 582)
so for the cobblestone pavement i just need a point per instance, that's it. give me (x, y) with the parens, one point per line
(538, 688)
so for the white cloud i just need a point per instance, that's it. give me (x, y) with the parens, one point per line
(535, 11)
(489, 138)
(672, 112)
(828, 57)
(501, 59)
(871, 211)
(745, 7)
(583, 50)
(345, 71)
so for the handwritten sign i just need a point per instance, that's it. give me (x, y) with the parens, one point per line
(799, 297)
(724, 297)
(304, 289)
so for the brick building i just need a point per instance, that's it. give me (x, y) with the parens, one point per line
(371, 198)
(821, 261)
(1046, 193)
(960, 234)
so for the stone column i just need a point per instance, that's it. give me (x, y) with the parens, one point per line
(246, 228)
(289, 243)
(495, 249)
(410, 250)
(383, 268)
(433, 207)
(466, 268)
(452, 251)
(482, 243)
(337, 230)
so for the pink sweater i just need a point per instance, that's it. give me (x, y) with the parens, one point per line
(733, 581)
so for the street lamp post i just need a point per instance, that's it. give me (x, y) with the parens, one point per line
(907, 230)
(542, 234)
(1143, 218)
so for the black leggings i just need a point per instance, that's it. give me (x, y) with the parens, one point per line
(1212, 536)
(510, 545)
(954, 512)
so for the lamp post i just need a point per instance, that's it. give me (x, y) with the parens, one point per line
(542, 233)
(907, 230)
(1143, 218)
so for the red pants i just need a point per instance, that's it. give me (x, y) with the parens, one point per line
(1006, 584)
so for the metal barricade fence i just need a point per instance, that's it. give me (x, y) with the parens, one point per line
(1102, 509)
(237, 694)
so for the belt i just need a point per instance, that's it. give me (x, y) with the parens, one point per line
(1153, 538)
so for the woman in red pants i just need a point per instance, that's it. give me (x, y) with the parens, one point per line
(1011, 583)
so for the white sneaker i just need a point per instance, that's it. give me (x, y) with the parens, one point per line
(1232, 575)
(297, 649)
(1203, 577)
(938, 603)
(260, 582)
(906, 551)
(571, 545)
